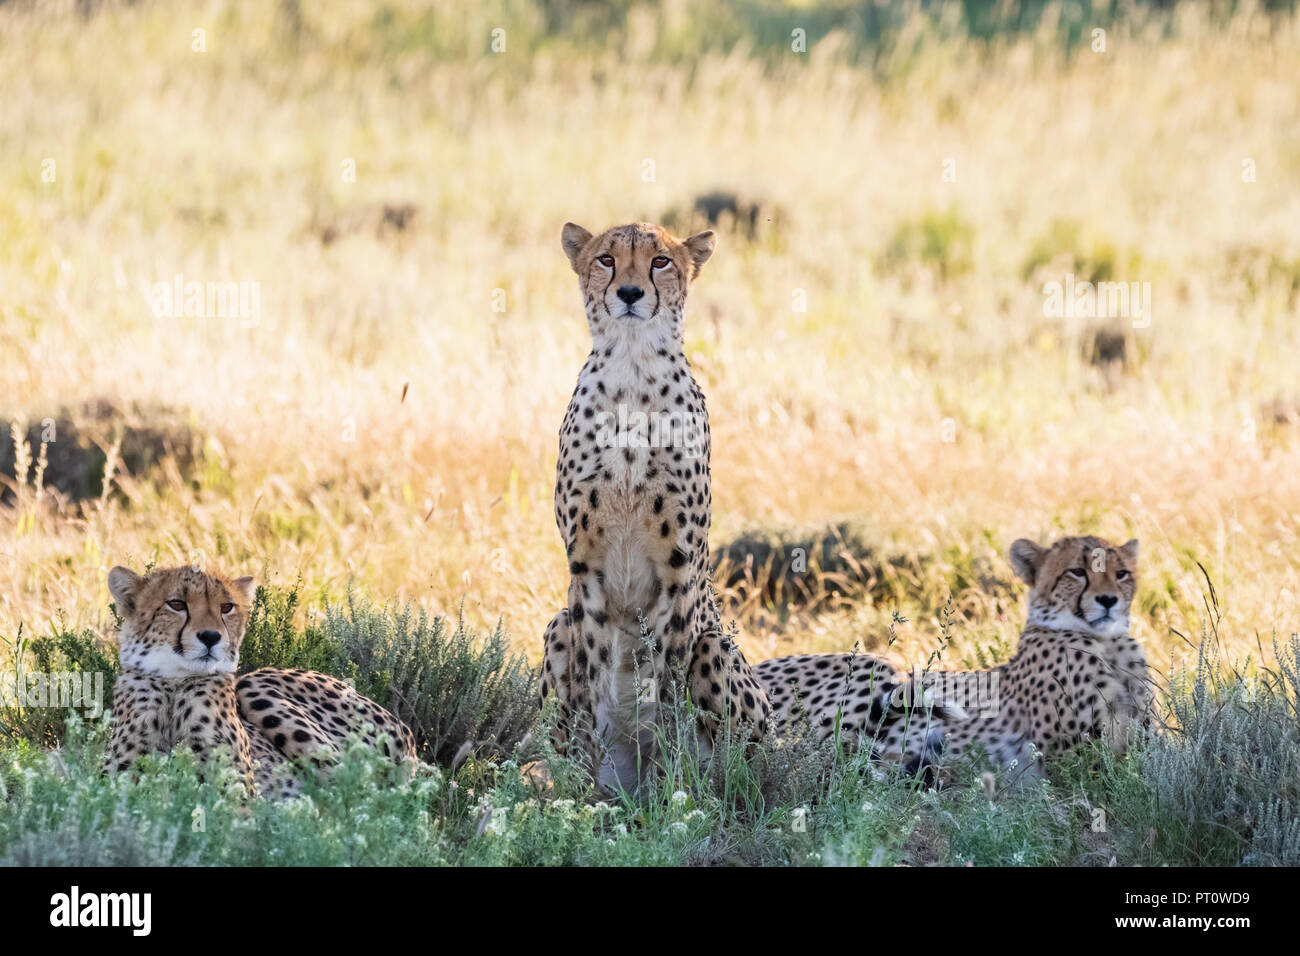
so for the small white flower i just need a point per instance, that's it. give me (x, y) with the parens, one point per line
(680, 797)
(497, 825)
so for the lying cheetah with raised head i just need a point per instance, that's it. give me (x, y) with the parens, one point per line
(179, 648)
(1077, 673)
(632, 502)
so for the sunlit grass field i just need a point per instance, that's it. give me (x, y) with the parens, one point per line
(870, 334)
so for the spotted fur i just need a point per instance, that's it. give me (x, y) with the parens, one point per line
(1076, 674)
(179, 649)
(632, 502)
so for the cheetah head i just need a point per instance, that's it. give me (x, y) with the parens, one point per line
(635, 277)
(1078, 584)
(180, 622)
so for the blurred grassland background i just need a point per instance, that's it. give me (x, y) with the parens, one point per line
(387, 423)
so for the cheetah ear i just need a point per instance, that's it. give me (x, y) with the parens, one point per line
(1130, 549)
(123, 584)
(700, 246)
(245, 588)
(573, 238)
(1026, 556)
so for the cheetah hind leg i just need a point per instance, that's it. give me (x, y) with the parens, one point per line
(288, 733)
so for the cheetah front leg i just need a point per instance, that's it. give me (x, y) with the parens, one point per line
(137, 720)
(1126, 697)
(208, 719)
(590, 664)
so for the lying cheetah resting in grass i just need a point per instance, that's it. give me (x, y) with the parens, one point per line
(1076, 674)
(632, 501)
(179, 647)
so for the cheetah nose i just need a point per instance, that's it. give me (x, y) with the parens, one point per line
(1107, 601)
(209, 638)
(630, 293)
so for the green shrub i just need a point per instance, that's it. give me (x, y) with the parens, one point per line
(942, 240)
(1225, 777)
(273, 639)
(450, 686)
(1089, 257)
(57, 809)
(62, 651)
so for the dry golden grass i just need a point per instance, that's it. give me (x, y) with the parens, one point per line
(227, 165)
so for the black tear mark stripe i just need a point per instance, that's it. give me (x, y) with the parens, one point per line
(1078, 602)
(654, 285)
(180, 647)
(210, 591)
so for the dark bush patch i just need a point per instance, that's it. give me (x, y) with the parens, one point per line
(1106, 345)
(719, 209)
(77, 441)
(384, 221)
(823, 567)
(1282, 412)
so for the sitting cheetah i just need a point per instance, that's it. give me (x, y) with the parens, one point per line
(632, 502)
(179, 648)
(1077, 673)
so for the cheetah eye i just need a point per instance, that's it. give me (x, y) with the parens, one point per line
(606, 261)
(227, 607)
(1079, 572)
(660, 262)
(176, 605)
(1121, 575)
